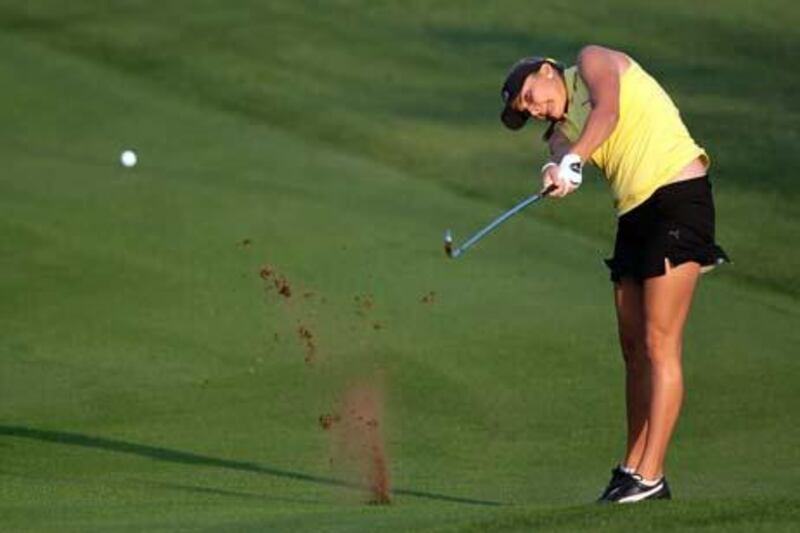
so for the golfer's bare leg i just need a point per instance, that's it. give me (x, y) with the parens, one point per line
(630, 322)
(667, 300)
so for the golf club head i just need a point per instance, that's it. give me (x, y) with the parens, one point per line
(448, 245)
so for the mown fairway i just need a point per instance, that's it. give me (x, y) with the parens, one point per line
(153, 376)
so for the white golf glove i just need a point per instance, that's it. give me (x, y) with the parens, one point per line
(568, 172)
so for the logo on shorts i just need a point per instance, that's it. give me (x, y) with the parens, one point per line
(674, 233)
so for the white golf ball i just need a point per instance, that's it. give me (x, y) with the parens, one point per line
(128, 158)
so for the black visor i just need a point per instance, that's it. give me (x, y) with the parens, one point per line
(514, 119)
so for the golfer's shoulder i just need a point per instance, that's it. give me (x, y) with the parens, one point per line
(593, 58)
(591, 52)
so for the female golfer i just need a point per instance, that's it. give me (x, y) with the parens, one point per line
(609, 111)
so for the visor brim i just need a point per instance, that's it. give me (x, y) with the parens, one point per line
(514, 119)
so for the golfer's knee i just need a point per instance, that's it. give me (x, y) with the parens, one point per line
(634, 349)
(662, 345)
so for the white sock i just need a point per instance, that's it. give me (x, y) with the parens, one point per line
(626, 469)
(650, 482)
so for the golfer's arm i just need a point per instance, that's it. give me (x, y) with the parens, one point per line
(596, 67)
(559, 146)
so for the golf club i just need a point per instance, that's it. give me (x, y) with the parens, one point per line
(454, 252)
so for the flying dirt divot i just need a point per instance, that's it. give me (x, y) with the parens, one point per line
(358, 449)
(266, 272)
(358, 454)
(280, 284)
(364, 304)
(307, 339)
(326, 421)
(283, 287)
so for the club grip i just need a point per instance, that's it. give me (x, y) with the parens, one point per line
(548, 190)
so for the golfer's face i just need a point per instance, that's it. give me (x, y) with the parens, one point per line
(539, 97)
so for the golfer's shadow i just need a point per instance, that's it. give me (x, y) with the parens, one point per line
(193, 459)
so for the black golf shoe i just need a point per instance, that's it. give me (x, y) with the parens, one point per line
(618, 478)
(633, 490)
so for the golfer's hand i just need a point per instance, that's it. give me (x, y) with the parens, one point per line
(566, 176)
(550, 177)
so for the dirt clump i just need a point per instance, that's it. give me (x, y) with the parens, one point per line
(307, 339)
(266, 272)
(327, 420)
(364, 304)
(282, 285)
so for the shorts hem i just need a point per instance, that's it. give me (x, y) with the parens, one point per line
(707, 261)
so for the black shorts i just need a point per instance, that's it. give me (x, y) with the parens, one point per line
(675, 223)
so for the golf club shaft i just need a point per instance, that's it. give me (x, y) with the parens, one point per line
(505, 216)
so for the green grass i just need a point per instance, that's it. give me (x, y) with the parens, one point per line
(142, 385)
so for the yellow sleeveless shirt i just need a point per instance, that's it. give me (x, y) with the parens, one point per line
(650, 144)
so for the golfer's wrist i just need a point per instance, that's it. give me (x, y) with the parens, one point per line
(578, 150)
(572, 155)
